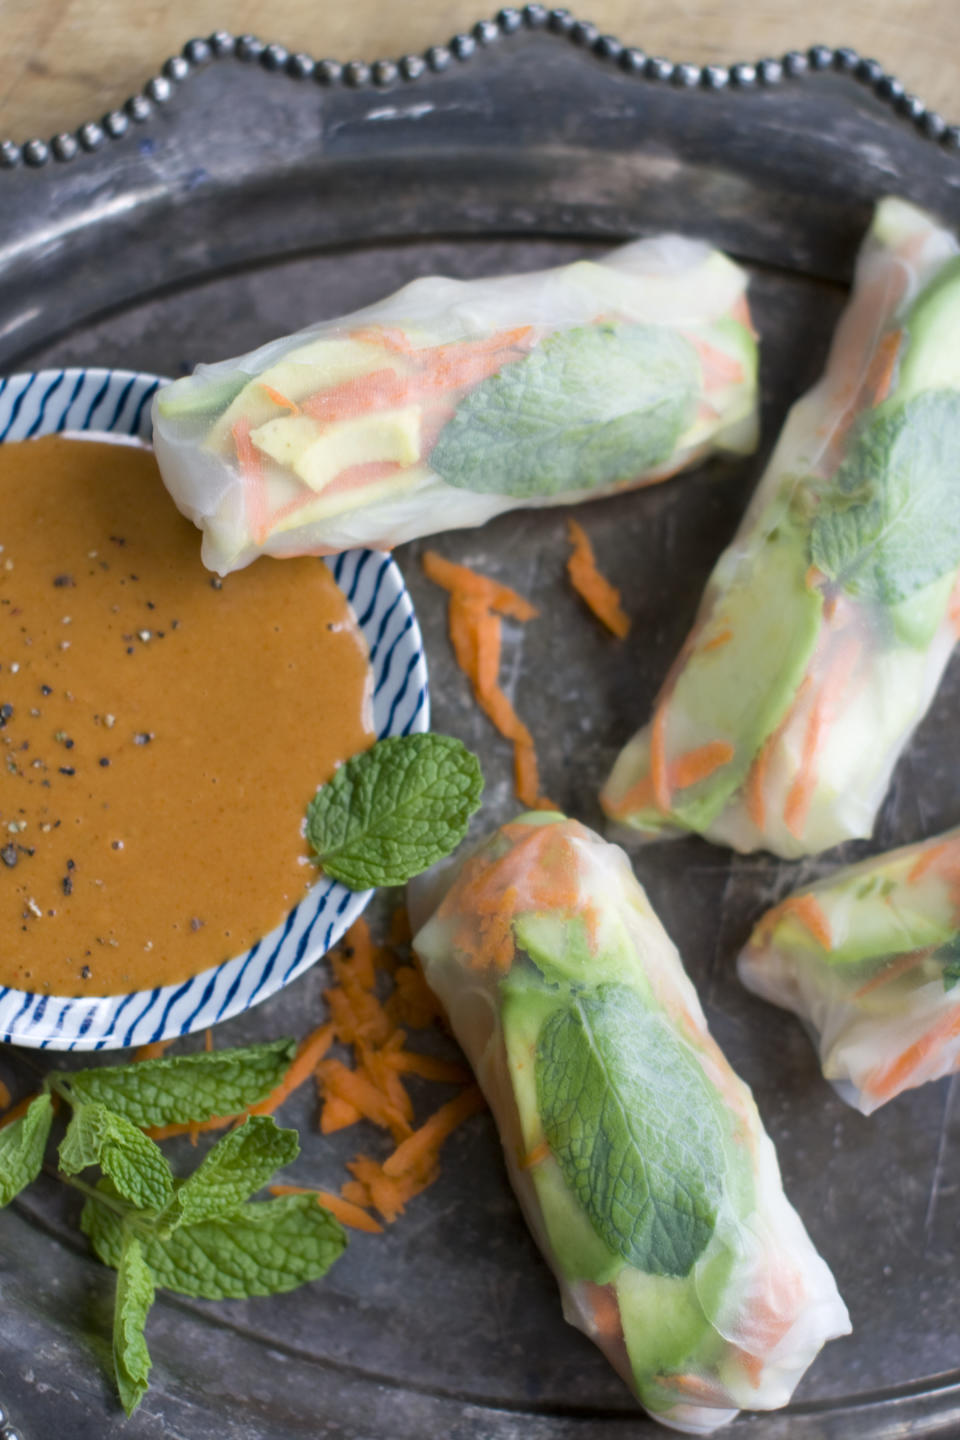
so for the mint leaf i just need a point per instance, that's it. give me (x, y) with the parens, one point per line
(135, 1295)
(890, 522)
(178, 1089)
(136, 1164)
(395, 810)
(22, 1144)
(631, 1119)
(588, 407)
(949, 956)
(263, 1248)
(238, 1166)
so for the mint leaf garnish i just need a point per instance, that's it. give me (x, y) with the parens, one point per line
(630, 1117)
(395, 810)
(890, 522)
(22, 1144)
(135, 1294)
(588, 407)
(263, 1248)
(136, 1165)
(179, 1089)
(236, 1168)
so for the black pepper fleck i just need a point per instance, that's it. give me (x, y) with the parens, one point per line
(45, 690)
(66, 885)
(195, 922)
(143, 737)
(216, 583)
(62, 581)
(86, 973)
(67, 770)
(9, 855)
(104, 760)
(6, 713)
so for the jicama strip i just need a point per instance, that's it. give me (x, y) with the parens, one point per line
(869, 958)
(455, 400)
(637, 1154)
(826, 625)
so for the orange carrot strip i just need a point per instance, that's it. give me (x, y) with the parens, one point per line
(412, 1003)
(337, 1115)
(605, 1308)
(194, 1127)
(928, 857)
(880, 371)
(718, 368)
(593, 587)
(801, 792)
(255, 485)
(310, 1053)
(722, 637)
(400, 932)
(461, 578)
(357, 1193)
(807, 909)
(424, 1143)
(388, 1194)
(358, 1090)
(386, 1080)
(208, 1040)
(698, 764)
(340, 1209)
(279, 399)
(893, 969)
(659, 774)
(536, 1156)
(153, 1051)
(887, 1081)
(428, 1067)
(6, 1099)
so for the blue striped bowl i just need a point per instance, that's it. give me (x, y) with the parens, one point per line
(117, 402)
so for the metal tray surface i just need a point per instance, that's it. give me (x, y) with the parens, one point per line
(447, 1327)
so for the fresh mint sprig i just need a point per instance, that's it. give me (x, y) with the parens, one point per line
(202, 1235)
(394, 810)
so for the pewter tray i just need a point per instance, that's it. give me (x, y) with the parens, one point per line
(238, 202)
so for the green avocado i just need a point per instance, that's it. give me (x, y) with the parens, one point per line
(874, 915)
(931, 360)
(739, 690)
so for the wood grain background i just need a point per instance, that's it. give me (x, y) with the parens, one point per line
(66, 61)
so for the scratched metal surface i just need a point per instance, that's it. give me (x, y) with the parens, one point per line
(447, 1327)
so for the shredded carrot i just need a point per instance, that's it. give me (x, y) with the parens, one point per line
(428, 1067)
(422, 1147)
(807, 909)
(536, 1156)
(888, 1080)
(400, 932)
(412, 1003)
(953, 609)
(927, 858)
(718, 368)
(279, 399)
(605, 1308)
(893, 969)
(337, 1115)
(593, 587)
(698, 764)
(255, 485)
(357, 1193)
(6, 1099)
(152, 1051)
(360, 1092)
(722, 637)
(461, 579)
(801, 792)
(881, 369)
(208, 1040)
(740, 312)
(388, 1194)
(340, 1209)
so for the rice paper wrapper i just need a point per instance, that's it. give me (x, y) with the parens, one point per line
(869, 959)
(826, 625)
(636, 1153)
(455, 400)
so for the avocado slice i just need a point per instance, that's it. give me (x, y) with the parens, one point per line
(931, 358)
(743, 675)
(317, 453)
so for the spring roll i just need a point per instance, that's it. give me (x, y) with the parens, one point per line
(455, 400)
(826, 625)
(870, 959)
(638, 1156)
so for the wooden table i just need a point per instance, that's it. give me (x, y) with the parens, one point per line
(66, 61)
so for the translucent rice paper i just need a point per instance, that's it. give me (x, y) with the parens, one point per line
(454, 400)
(826, 625)
(638, 1156)
(870, 961)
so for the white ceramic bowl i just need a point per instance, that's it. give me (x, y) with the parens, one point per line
(117, 402)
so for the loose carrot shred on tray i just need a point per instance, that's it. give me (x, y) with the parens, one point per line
(152, 1051)
(422, 1147)
(17, 1110)
(460, 579)
(343, 1210)
(593, 587)
(6, 1099)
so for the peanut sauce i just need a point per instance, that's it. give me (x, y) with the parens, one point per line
(161, 730)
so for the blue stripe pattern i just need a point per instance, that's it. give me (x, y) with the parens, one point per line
(119, 402)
